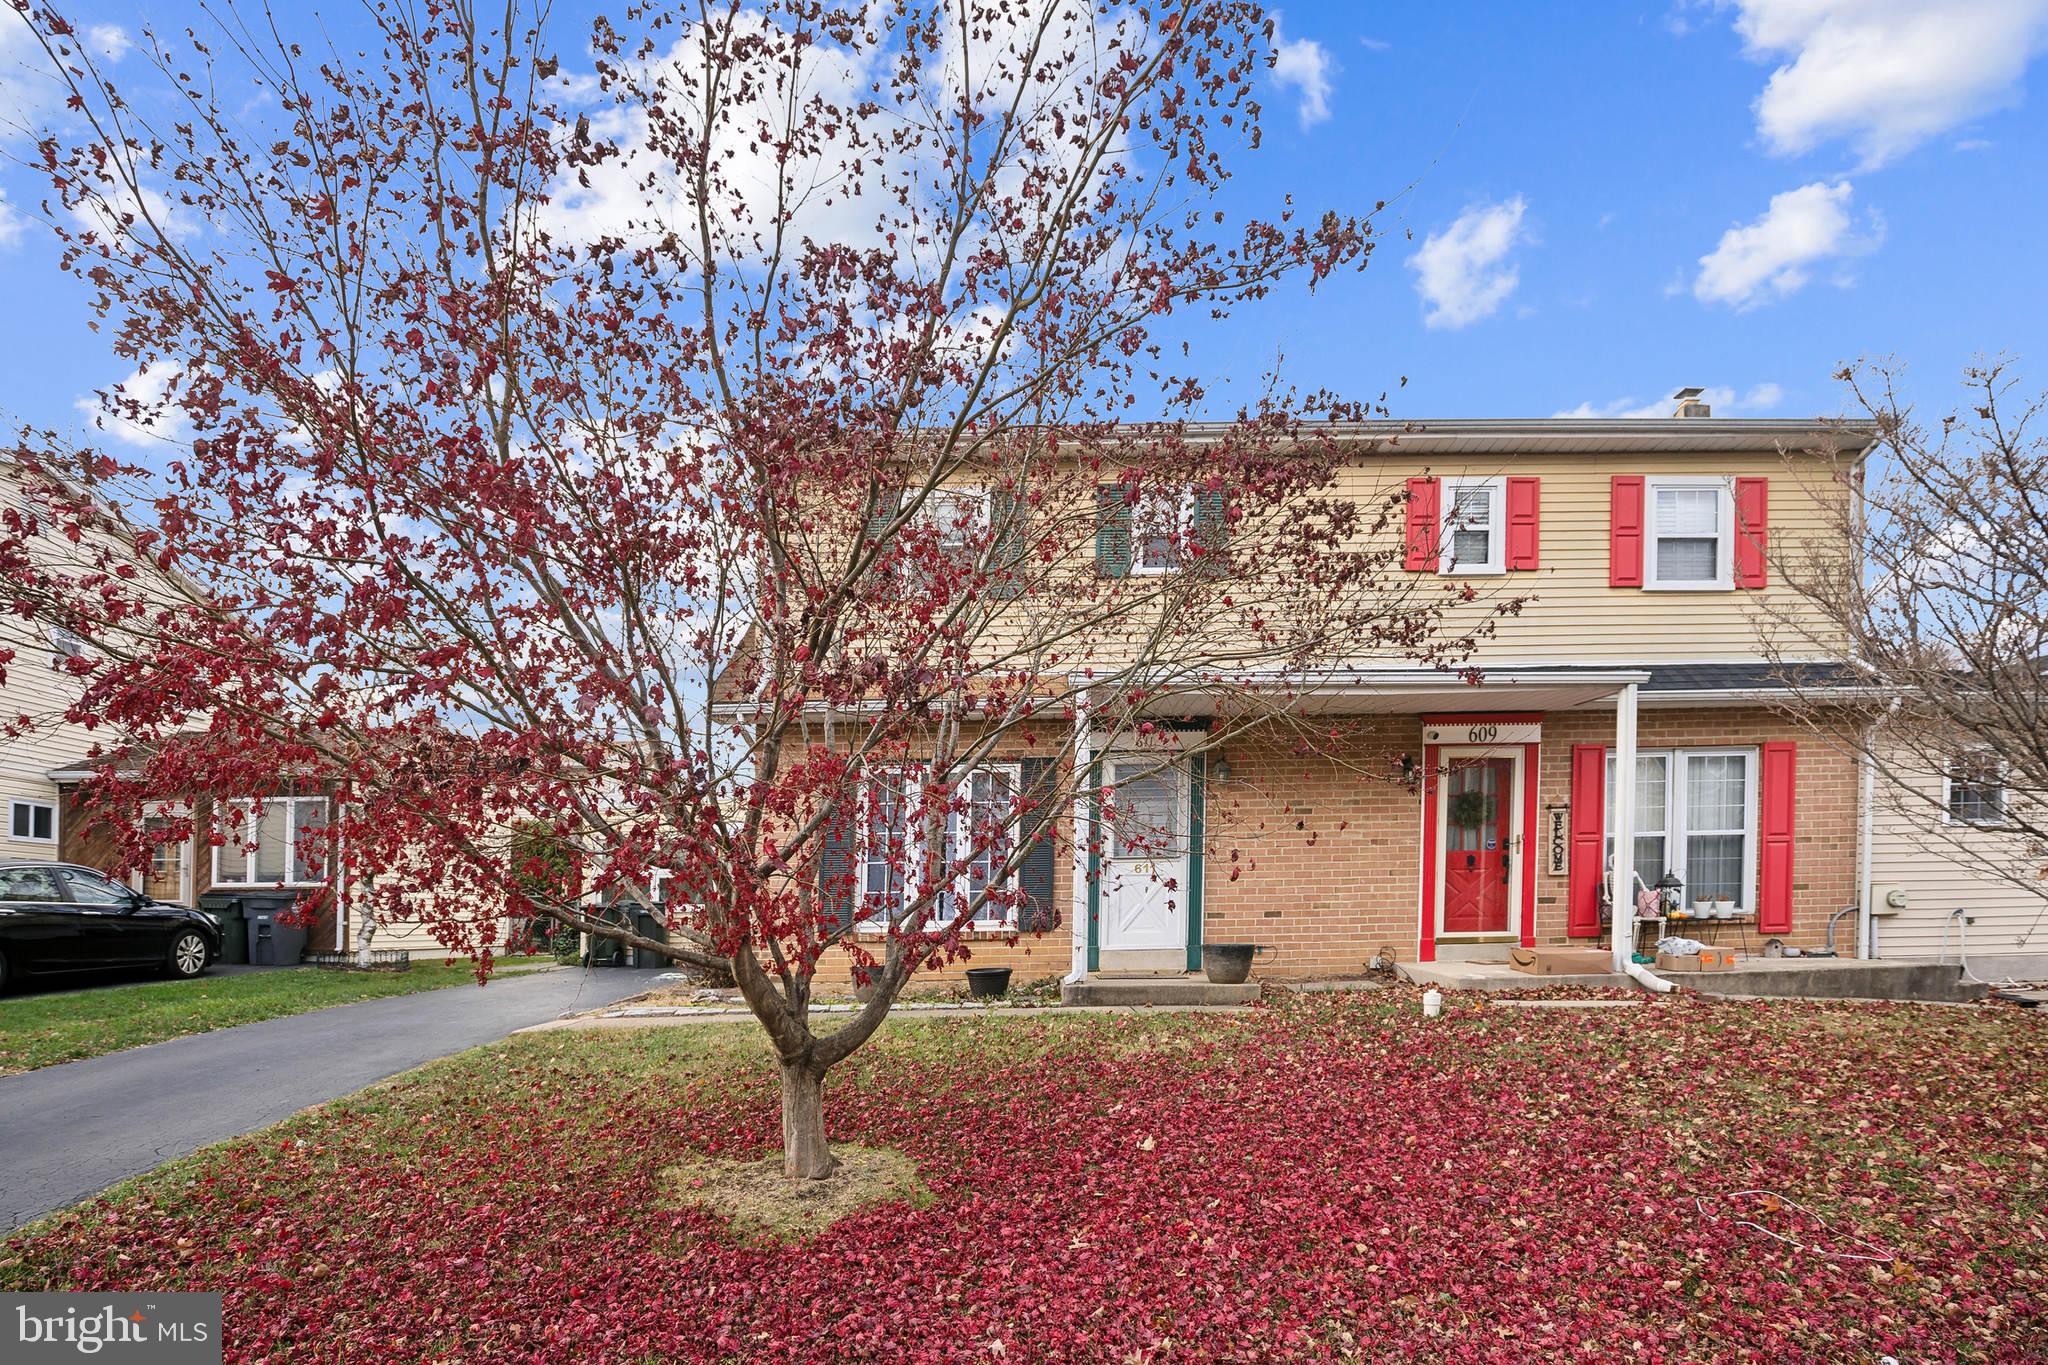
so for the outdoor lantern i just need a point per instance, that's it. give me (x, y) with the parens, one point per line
(1668, 886)
(1219, 767)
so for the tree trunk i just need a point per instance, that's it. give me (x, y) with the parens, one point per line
(805, 1155)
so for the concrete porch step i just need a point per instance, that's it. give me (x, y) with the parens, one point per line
(1800, 978)
(1187, 989)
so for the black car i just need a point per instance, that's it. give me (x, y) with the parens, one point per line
(58, 917)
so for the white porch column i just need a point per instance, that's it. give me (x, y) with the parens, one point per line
(1077, 917)
(1624, 884)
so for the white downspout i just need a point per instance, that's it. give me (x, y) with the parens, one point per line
(1624, 874)
(1077, 917)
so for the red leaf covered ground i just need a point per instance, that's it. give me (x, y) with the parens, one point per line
(1332, 1180)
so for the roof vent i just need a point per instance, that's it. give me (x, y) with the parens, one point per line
(1689, 404)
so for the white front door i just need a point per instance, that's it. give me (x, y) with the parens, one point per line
(1145, 857)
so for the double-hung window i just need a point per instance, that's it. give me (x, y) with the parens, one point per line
(895, 852)
(1470, 538)
(959, 518)
(33, 821)
(1973, 790)
(1160, 526)
(1691, 544)
(1695, 818)
(279, 839)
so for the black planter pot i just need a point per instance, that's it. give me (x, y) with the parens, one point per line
(1229, 964)
(988, 983)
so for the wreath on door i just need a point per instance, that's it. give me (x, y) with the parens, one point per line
(1472, 808)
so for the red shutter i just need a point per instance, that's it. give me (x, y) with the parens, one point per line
(1752, 530)
(1775, 820)
(1423, 521)
(1625, 532)
(1589, 839)
(1524, 521)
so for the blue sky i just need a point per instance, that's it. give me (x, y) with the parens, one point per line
(1606, 201)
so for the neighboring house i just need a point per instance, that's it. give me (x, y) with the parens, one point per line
(1646, 548)
(1946, 875)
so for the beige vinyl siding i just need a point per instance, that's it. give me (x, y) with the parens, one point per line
(34, 689)
(1574, 616)
(1943, 868)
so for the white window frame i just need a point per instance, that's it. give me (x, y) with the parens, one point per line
(1948, 790)
(991, 916)
(68, 644)
(32, 805)
(1676, 763)
(941, 510)
(1724, 535)
(245, 807)
(1496, 527)
(1184, 525)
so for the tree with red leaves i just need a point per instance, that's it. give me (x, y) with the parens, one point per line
(719, 458)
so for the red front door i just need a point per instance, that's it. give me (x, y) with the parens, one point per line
(1478, 813)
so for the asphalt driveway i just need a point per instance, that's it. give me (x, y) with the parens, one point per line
(69, 1131)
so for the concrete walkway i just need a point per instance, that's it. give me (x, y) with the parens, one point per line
(69, 1131)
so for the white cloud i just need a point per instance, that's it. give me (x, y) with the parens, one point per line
(110, 41)
(156, 420)
(1774, 256)
(1885, 75)
(119, 209)
(1758, 401)
(31, 90)
(12, 224)
(1463, 272)
(1305, 65)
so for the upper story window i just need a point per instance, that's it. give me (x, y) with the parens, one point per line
(1973, 790)
(959, 517)
(1471, 535)
(1690, 545)
(279, 839)
(65, 644)
(35, 821)
(1160, 525)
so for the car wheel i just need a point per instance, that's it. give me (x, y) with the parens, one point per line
(188, 955)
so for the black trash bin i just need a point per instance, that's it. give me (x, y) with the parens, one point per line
(650, 924)
(234, 929)
(273, 943)
(608, 952)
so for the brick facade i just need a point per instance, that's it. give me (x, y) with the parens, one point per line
(1321, 859)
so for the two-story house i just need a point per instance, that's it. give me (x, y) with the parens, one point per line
(1644, 551)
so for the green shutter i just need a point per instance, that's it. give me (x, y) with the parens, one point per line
(1112, 532)
(885, 511)
(836, 880)
(1211, 530)
(1037, 914)
(1006, 562)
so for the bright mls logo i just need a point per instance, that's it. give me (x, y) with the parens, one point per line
(164, 1329)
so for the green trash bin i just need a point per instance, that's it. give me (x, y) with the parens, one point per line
(650, 924)
(234, 928)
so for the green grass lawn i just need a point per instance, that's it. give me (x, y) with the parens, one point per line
(43, 1030)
